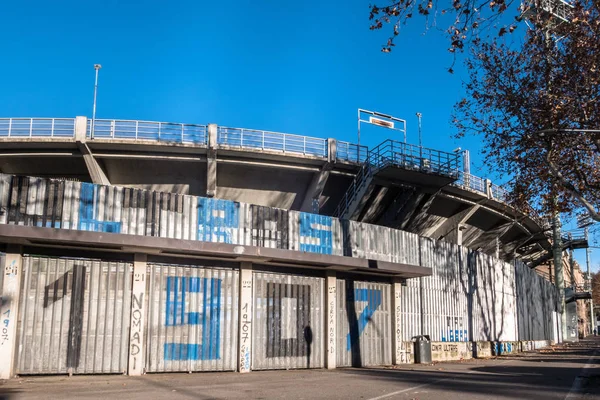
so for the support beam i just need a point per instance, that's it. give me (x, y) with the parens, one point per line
(452, 223)
(245, 318)
(487, 240)
(331, 321)
(136, 333)
(9, 310)
(416, 218)
(94, 169)
(315, 189)
(211, 161)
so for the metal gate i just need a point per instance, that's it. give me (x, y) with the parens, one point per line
(364, 324)
(74, 316)
(288, 322)
(192, 318)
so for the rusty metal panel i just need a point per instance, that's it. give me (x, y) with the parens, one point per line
(192, 318)
(288, 330)
(74, 316)
(364, 323)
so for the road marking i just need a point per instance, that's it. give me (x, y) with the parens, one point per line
(577, 387)
(384, 396)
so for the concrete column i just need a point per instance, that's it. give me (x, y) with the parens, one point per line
(332, 150)
(245, 318)
(136, 333)
(331, 321)
(399, 353)
(9, 310)
(211, 162)
(94, 169)
(488, 188)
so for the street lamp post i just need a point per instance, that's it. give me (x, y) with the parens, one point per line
(97, 68)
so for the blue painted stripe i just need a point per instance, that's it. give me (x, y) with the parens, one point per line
(373, 299)
(218, 321)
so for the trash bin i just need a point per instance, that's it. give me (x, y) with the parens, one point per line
(422, 349)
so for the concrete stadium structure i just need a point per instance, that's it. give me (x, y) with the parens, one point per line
(134, 247)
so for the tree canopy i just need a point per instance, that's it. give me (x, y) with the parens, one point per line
(534, 100)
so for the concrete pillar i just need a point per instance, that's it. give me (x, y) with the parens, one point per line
(94, 169)
(331, 321)
(211, 162)
(332, 150)
(9, 310)
(136, 333)
(245, 317)
(488, 188)
(80, 129)
(399, 352)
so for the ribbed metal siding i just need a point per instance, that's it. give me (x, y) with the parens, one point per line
(445, 293)
(367, 339)
(494, 299)
(192, 318)
(288, 330)
(315, 233)
(537, 301)
(380, 243)
(74, 316)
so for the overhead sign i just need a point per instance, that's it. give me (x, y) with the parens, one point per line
(381, 122)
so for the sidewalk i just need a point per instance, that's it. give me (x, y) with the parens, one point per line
(568, 371)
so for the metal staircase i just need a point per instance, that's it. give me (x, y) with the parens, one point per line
(399, 155)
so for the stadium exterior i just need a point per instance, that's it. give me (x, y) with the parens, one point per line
(140, 247)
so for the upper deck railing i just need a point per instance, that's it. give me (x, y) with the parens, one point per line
(401, 154)
(165, 132)
(271, 141)
(37, 127)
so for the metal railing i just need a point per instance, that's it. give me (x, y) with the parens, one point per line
(37, 127)
(362, 178)
(351, 152)
(166, 132)
(409, 156)
(271, 141)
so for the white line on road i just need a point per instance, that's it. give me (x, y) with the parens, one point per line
(384, 396)
(577, 387)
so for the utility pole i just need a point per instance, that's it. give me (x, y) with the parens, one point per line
(97, 68)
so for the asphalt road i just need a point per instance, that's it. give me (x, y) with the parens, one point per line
(565, 372)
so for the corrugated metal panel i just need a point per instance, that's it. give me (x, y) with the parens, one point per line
(364, 323)
(192, 318)
(269, 227)
(445, 293)
(315, 233)
(74, 316)
(494, 300)
(537, 301)
(288, 330)
(380, 243)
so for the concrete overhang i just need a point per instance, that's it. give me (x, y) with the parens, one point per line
(120, 243)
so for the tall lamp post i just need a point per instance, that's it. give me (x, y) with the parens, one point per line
(97, 68)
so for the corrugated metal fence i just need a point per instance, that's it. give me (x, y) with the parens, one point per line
(74, 316)
(364, 323)
(192, 318)
(288, 327)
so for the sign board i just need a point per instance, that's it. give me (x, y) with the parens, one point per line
(381, 122)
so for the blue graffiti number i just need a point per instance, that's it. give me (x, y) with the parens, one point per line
(315, 233)
(217, 219)
(88, 212)
(373, 299)
(209, 318)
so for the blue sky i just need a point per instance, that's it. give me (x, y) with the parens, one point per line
(297, 67)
